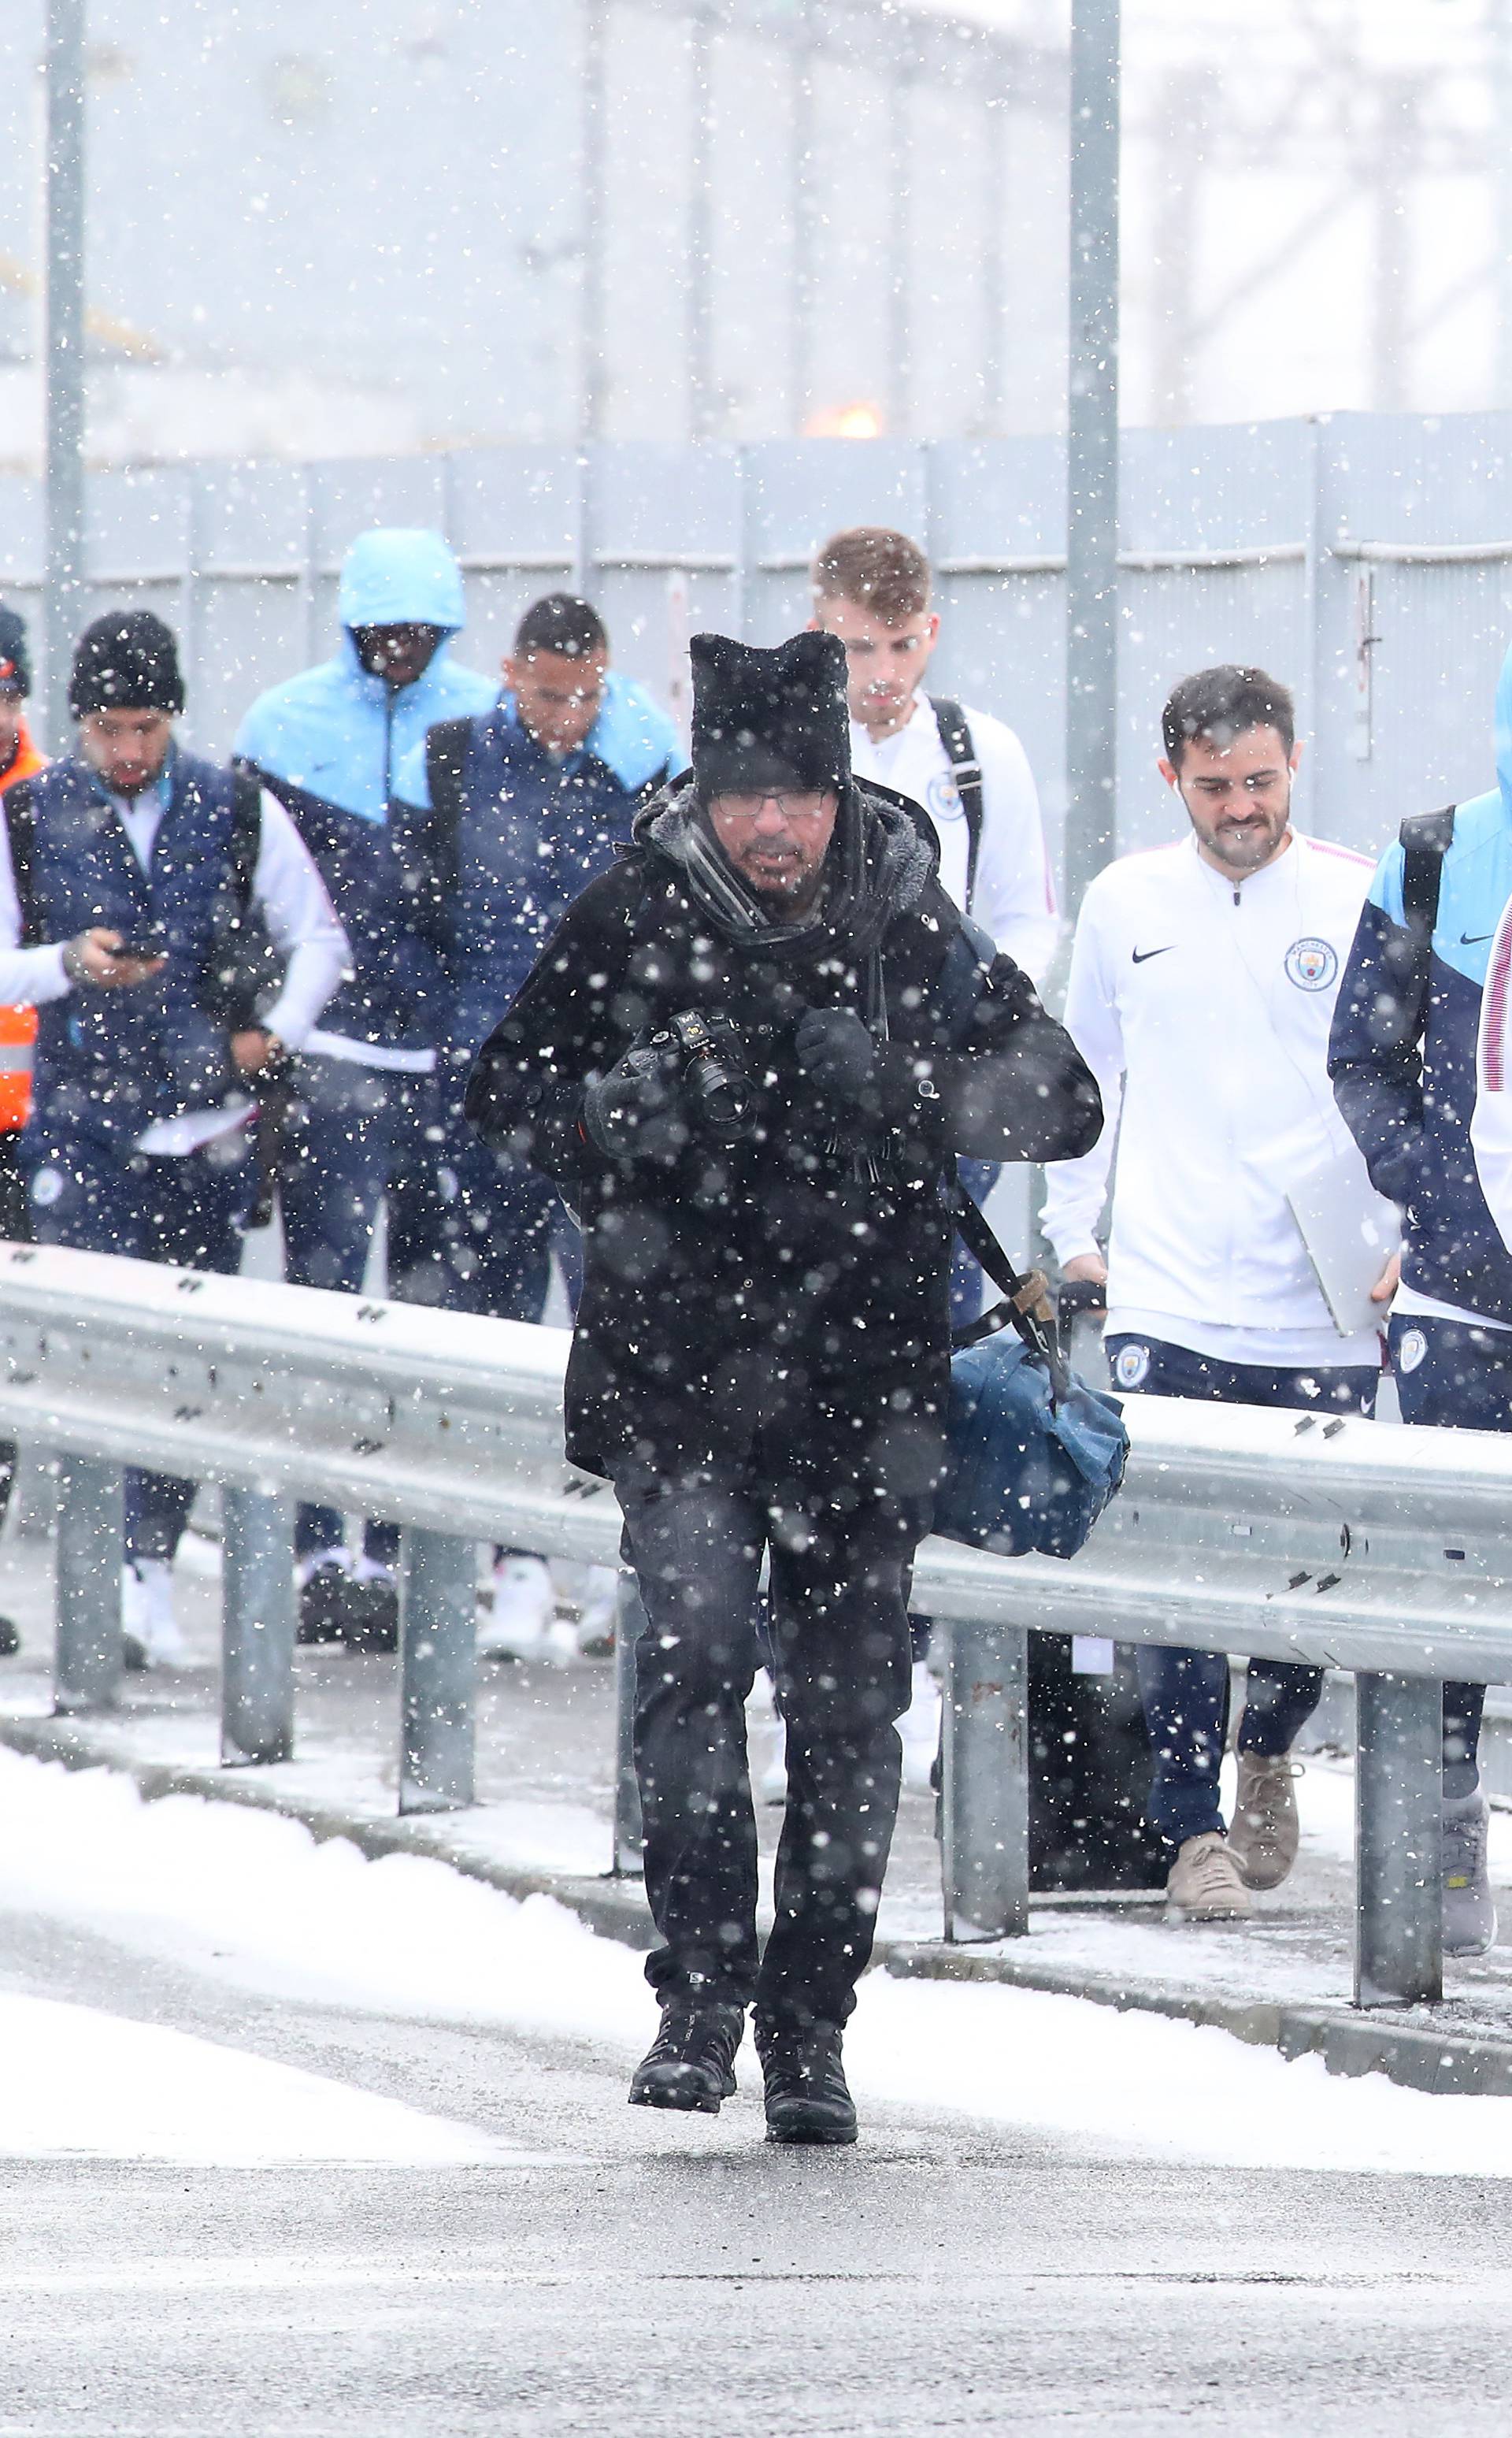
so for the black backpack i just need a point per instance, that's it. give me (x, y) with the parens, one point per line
(1425, 842)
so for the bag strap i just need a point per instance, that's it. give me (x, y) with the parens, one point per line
(1027, 1305)
(1425, 838)
(956, 737)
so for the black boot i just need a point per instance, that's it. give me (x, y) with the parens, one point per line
(320, 1603)
(336, 1606)
(807, 2097)
(370, 1613)
(691, 2063)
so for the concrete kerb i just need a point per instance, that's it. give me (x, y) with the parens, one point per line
(1415, 2055)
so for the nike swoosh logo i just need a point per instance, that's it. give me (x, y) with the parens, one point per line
(1142, 956)
(1473, 938)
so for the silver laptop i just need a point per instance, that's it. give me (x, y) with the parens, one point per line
(1350, 1232)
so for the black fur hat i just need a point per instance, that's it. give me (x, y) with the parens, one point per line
(772, 719)
(127, 661)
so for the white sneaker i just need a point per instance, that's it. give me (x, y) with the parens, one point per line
(765, 1743)
(918, 1728)
(1469, 1909)
(149, 1630)
(598, 1615)
(524, 1610)
(561, 1644)
(771, 1785)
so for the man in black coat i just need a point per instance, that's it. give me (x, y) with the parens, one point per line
(749, 1056)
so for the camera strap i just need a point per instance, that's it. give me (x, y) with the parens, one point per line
(1027, 1305)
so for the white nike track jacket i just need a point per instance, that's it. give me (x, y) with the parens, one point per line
(1204, 1010)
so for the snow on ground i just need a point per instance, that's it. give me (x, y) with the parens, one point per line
(80, 2083)
(252, 1897)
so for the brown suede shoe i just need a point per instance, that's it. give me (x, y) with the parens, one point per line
(1204, 1883)
(1263, 1836)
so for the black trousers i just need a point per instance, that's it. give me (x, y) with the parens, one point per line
(838, 1597)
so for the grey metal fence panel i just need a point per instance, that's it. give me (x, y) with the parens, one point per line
(996, 518)
(251, 622)
(1301, 545)
(517, 518)
(1177, 620)
(664, 551)
(1408, 655)
(798, 492)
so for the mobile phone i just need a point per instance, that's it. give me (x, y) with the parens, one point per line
(150, 940)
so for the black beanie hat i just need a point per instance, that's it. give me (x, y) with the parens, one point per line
(16, 662)
(772, 719)
(127, 661)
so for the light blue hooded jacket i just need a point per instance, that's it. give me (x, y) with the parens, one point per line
(329, 743)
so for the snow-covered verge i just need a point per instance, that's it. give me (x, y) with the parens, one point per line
(247, 1897)
(80, 2083)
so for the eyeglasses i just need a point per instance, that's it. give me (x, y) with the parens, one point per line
(807, 807)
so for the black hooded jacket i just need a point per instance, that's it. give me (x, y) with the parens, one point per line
(782, 1304)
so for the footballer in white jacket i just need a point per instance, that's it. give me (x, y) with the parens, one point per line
(1202, 987)
(871, 588)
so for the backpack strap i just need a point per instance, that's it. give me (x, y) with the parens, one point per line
(1425, 838)
(446, 764)
(21, 827)
(956, 737)
(246, 836)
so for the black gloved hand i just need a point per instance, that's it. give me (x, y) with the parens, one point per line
(837, 1053)
(637, 1110)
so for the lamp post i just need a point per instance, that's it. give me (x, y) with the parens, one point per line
(1092, 448)
(63, 592)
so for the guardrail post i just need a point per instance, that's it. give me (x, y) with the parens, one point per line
(256, 1627)
(90, 1520)
(1399, 1826)
(629, 1844)
(438, 1669)
(985, 1813)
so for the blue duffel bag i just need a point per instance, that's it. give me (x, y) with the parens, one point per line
(1033, 1454)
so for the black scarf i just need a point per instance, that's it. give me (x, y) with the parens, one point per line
(876, 868)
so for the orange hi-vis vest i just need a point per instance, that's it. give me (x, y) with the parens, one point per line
(18, 1025)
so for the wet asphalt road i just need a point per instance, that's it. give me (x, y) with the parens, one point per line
(621, 2271)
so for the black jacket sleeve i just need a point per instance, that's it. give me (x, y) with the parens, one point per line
(1006, 1082)
(991, 1077)
(1016, 1086)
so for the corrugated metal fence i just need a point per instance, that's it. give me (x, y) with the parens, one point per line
(1366, 559)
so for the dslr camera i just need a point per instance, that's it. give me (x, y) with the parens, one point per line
(706, 1050)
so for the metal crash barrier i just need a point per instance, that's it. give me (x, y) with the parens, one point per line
(1340, 1543)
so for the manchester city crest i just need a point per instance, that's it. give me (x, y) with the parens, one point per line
(1311, 964)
